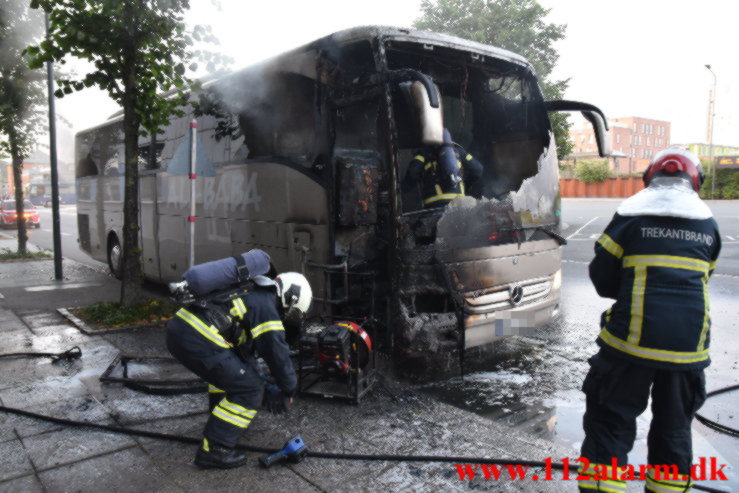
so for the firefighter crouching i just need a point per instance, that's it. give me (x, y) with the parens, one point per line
(220, 343)
(443, 172)
(654, 259)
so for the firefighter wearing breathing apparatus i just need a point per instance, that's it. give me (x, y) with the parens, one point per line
(654, 259)
(220, 340)
(443, 172)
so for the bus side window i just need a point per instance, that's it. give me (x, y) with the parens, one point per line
(150, 153)
(279, 120)
(86, 165)
(109, 146)
(356, 125)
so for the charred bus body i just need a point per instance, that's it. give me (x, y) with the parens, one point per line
(303, 156)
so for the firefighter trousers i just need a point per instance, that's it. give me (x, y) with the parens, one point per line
(236, 387)
(617, 392)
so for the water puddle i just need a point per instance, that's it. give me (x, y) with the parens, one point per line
(537, 391)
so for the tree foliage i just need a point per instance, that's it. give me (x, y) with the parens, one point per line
(515, 25)
(139, 51)
(727, 183)
(592, 171)
(21, 96)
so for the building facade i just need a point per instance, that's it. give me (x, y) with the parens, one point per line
(635, 140)
(704, 150)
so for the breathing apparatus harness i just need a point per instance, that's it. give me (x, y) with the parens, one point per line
(214, 305)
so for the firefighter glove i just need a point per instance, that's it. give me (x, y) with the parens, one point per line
(274, 400)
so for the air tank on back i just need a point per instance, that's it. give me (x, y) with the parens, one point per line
(220, 274)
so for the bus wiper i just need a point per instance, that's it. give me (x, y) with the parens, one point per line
(560, 239)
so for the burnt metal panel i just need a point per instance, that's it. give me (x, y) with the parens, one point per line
(358, 191)
(502, 264)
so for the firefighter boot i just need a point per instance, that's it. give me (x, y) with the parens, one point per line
(211, 455)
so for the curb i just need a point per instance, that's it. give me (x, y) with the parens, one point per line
(86, 329)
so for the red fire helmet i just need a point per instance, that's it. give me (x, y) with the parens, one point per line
(674, 161)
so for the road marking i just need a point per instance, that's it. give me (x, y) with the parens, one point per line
(63, 286)
(730, 237)
(582, 227)
(1, 296)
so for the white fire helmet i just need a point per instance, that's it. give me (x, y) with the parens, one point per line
(294, 291)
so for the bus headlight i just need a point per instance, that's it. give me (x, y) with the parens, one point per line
(557, 281)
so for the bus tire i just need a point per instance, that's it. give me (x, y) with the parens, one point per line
(115, 256)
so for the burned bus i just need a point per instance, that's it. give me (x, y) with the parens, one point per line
(303, 156)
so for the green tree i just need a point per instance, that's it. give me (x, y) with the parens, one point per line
(592, 171)
(515, 25)
(138, 52)
(21, 97)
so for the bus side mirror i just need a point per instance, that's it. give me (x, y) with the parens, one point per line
(429, 117)
(594, 115)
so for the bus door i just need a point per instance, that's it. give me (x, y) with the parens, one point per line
(149, 161)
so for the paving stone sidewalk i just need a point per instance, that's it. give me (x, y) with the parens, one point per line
(42, 456)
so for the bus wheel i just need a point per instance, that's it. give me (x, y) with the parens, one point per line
(115, 257)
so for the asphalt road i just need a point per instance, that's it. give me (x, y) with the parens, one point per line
(43, 236)
(583, 220)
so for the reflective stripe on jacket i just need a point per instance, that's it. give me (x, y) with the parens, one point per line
(259, 330)
(657, 270)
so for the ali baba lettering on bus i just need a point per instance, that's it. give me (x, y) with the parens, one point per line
(230, 191)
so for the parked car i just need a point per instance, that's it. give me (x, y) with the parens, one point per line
(8, 215)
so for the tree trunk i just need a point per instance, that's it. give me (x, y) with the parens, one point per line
(20, 221)
(131, 269)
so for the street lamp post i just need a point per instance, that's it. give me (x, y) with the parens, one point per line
(55, 221)
(710, 132)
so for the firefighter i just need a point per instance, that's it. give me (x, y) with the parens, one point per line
(654, 259)
(443, 172)
(220, 341)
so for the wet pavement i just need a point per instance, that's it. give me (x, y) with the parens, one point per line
(524, 403)
(533, 384)
(42, 456)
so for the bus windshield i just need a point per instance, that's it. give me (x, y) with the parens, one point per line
(495, 112)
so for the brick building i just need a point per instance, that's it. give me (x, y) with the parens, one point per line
(636, 139)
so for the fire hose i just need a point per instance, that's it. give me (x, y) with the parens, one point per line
(72, 354)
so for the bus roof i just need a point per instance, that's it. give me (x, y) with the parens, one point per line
(368, 33)
(425, 37)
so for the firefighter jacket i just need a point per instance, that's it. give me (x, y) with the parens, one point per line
(254, 328)
(438, 188)
(657, 269)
